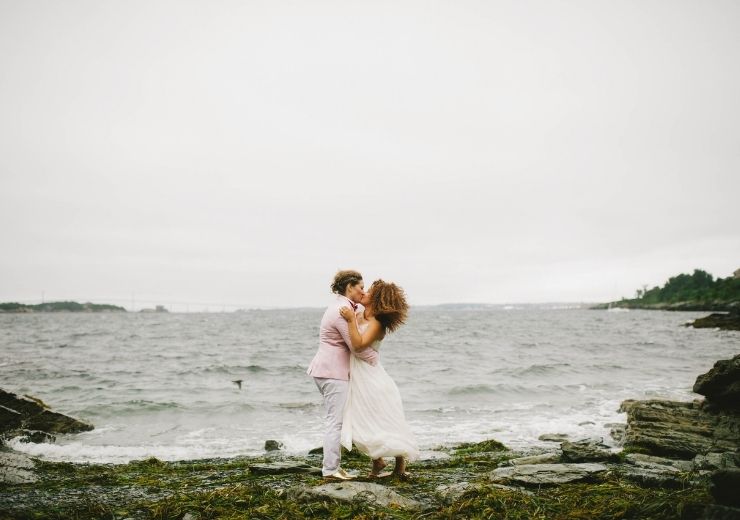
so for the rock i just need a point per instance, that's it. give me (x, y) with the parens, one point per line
(317, 451)
(649, 471)
(650, 461)
(617, 431)
(37, 437)
(190, 516)
(545, 458)
(9, 419)
(717, 512)
(721, 385)
(28, 413)
(352, 491)
(450, 493)
(680, 429)
(586, 423)
(553, 437)
(16, 468)
(717, 320)
(725, 484)
(548, 474)
(271, 445)
(586, 450)
(274, 468)
(713, 461)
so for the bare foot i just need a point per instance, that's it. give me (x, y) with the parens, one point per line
(378, 465)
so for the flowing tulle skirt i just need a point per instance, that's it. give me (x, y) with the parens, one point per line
(373, 415)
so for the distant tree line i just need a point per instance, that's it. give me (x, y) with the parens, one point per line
(697, 287)
(60, 307)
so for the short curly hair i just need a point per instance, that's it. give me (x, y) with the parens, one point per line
(345, 278)
(388, 302)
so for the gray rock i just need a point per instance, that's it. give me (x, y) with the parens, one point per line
(317, 451)
(721, 385)
(679, 428)
(587, 450)
(271, 445)
(553, 437)
(548, 474)
(355, 491)
(545, 458)
(275, 468)
(650, 461)
(16, 468)
(652, 476)
(449, 493)
(714, 461)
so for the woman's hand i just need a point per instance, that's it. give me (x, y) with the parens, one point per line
(347, 314)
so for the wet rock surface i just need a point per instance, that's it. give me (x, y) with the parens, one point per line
(721, 385)
(23, 415)
(717, 320)
(16, 468)
(352, 491)
(548, 474)
(586, 450)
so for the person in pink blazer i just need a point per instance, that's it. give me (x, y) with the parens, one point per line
(330, 365)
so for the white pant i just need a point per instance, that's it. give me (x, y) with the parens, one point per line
(334, 392)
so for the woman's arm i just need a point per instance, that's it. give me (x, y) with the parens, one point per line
(361, 341)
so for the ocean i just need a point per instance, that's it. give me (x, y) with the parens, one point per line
(161, 385)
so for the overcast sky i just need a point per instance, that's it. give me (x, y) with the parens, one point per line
(240, 152)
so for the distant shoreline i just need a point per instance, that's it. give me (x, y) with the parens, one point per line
(66, 306)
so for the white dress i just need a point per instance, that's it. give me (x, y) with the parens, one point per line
(373, 415)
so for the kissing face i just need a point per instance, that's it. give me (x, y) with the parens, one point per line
(356, 292)
(365, 301)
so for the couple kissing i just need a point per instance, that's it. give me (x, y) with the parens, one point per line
(362, 402)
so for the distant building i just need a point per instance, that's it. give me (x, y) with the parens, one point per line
(159, 308)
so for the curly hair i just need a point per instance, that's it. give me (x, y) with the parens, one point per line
(343, 279)
(388, 302)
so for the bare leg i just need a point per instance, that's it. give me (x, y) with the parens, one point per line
(400, 469)
(378, 465)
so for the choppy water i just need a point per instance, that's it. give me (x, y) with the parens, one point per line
(161, 384)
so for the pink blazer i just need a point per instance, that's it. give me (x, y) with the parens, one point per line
(332, 359)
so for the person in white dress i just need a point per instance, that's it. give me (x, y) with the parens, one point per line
(374, 419)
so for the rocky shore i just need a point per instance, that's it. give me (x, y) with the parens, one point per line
(724, 321)
(677, 460)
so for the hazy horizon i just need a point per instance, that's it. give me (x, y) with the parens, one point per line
(241, 152)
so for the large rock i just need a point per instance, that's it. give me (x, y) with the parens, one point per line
(650, 471)
(547, 474)
(20, 413)
(721, 385)
(680, 429)
(587, 450)
(352, 491)
(729, 321)
(650, 461)
(16, 468)
(725, 484)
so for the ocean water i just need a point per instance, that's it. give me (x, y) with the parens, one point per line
(161, 385)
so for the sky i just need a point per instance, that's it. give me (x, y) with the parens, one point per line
(223, 154)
